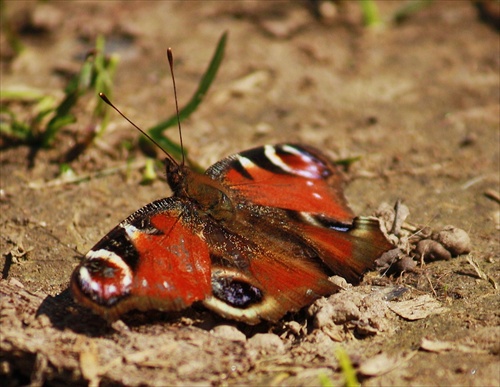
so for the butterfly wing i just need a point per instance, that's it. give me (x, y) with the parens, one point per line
(155, 259)
(290, 177)
(251, 283)
(301, 190)
(348, 252)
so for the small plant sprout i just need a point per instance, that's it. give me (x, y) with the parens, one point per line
(49, 117)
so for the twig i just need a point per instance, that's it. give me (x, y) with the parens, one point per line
(492, 194)
(430, 283)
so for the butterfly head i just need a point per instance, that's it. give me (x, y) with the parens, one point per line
(176, 175)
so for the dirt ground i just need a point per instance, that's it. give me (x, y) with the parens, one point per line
(418, 101)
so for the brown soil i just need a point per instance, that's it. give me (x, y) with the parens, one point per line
(418, 101)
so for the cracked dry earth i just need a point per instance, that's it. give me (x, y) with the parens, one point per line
(418, 101)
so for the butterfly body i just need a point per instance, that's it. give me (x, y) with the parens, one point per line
(256, 236)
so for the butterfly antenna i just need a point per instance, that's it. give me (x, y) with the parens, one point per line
(171, 63)
(105, 99)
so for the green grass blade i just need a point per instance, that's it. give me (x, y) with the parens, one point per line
(96, 72)
(371, 16)
(11, 128)
(348, 161)
(325, 381)
(347, 368)
(23, 95)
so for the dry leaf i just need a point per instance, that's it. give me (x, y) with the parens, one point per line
(444, 346)
(418, 308)
(383, 363)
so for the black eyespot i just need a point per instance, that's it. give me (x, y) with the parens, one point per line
(102, 281)
(236, 293)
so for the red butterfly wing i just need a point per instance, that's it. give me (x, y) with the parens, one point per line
(301, 181)
(156, 258)
(291, 177)
(251, 282)
(349, 252)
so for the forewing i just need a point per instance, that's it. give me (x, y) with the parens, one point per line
(291, 177)
(155, 259)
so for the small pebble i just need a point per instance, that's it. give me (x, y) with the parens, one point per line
(266, 342)
(16, 282)
(455, 240)
(339, 281)
(295, 328)
(431, 250)
(387, 258)
(339, 311)
(405, 264)
(43, 321)
(228, 332)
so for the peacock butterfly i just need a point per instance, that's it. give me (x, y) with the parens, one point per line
(254, 237)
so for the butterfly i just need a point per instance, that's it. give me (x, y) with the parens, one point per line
(254, 237)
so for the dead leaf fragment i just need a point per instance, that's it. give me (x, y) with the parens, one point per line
(480, 273)
(401, 212)
(418, 308)
(383, 363)
(445, 346)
